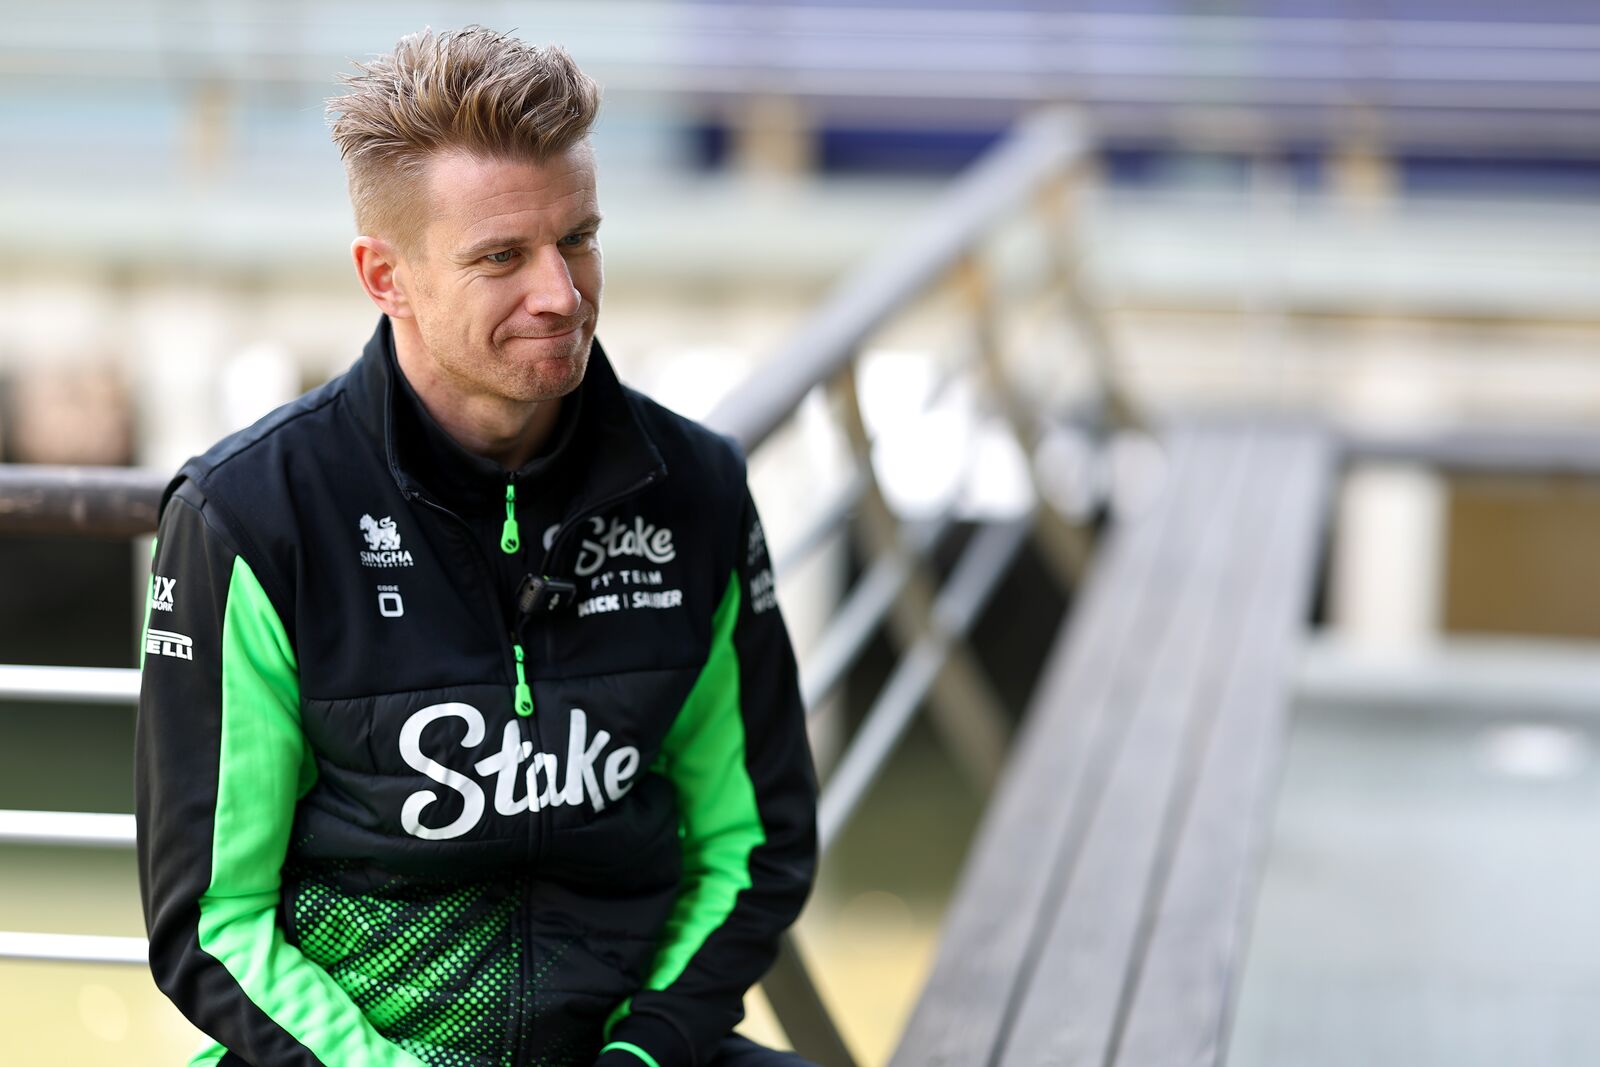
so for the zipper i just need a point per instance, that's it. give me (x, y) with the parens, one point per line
(510, 536)
(524, 925)
(520, 691)
(524, 695)
(510, 543)
(528, 730)
(527, 725)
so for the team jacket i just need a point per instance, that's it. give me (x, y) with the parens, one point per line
(399, 805)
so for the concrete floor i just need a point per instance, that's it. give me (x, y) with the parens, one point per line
(1429, 894)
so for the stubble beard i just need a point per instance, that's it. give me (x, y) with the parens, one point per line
(527, 372)
(521, 377)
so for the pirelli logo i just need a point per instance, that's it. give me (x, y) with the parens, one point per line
(167, 643)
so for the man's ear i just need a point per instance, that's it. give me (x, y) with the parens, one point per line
(381, 269)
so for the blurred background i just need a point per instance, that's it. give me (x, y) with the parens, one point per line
(1383, 215)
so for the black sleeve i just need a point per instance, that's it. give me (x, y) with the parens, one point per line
(220, 764)
(739, 759)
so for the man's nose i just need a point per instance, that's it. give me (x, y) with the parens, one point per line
(550, 288)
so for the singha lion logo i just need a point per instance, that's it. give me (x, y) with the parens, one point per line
(380, 533)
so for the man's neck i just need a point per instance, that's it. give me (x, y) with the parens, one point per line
(506, 432)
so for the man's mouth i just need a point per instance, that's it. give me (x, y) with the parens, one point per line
(543, 336)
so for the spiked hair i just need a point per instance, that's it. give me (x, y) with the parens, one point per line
(470, 90)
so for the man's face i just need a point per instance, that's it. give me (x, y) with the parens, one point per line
(505, 279)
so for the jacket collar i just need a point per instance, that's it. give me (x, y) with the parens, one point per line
(603, 447)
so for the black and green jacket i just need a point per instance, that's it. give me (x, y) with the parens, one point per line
(398, 805)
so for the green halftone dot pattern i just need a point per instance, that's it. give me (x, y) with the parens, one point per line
(436, 974)
(551, 1048)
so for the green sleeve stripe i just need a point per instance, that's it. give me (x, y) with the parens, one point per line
(209, 1056)
(260, 777)
(704, 756)
(635, 1049)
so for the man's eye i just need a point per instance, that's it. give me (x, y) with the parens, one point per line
(573, 240)
(501, 258)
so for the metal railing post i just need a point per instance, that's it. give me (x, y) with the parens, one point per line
(1053, 202)
(966, 711)
(805, 1018)
(1065, 545)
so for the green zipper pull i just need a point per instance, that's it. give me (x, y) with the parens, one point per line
(510, 539)
(524, 694)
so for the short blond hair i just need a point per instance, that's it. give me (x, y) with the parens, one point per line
(471, 90)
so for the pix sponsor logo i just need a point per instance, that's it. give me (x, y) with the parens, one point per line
(161, 593)
(383, 543)
(167, 643)
(607, 784)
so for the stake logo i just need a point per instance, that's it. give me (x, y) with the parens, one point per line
(505, 766)
(608, 541)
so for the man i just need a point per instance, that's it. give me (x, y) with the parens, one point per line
(469, 732)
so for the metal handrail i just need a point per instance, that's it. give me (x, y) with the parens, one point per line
(73, 948)
(122, 503)
(828, 521)
(109, 502)
(70, 685)
(88, 828)
(861, 614)
(1508, 449)
(1042, 146)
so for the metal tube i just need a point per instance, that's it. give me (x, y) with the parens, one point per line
(1040, 146)
(109, 502)
(857, 619)
(73, 948)
(70, 685)
(862, 612)
(1513, 450)
(794, 999)
(825, 525)
(66, 828)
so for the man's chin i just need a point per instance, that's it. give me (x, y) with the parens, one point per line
(546, 375)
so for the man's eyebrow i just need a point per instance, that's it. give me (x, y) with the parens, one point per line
(495, 244)
(484, 247)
